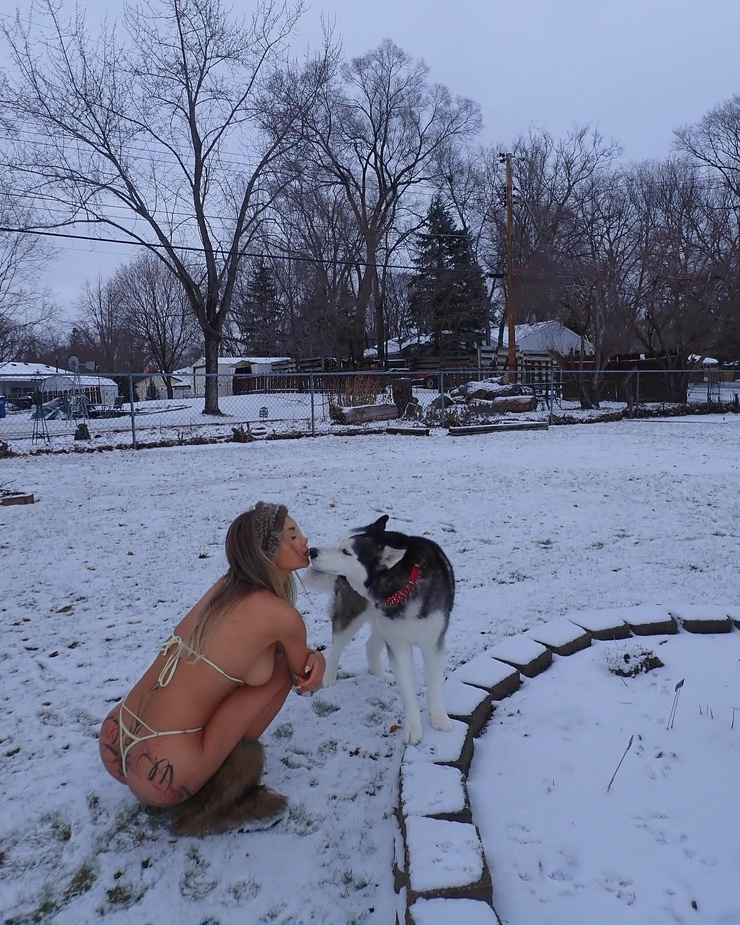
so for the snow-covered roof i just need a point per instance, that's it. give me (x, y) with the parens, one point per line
(44, 372)
(234, 361)
(396, 344)
(29, 370)
(526, 330)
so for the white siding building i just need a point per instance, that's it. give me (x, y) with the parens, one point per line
(547, 337)
(230, 369)
(22, 380)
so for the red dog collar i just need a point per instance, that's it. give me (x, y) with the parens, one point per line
(399, 596)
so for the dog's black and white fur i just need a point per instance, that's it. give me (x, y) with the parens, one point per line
(405, 587)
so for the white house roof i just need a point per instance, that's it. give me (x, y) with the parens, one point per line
(396, 344)
(43, 372)
(29, 370)
(526, 330)
(547, 334)
(234, 361)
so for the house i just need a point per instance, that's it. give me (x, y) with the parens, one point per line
(153, 385)
(236, 375)
(19, 382)
(547, 337)
(538, 343)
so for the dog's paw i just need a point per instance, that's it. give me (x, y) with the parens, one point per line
(442, 722)
(412, 734)
(381, 673)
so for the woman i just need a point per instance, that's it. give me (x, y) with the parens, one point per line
(186, 735)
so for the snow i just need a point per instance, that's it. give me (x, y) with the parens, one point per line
(484, 671)
(702, 612)
(445, 747)
(518, 650)
(462, 699)
(556, 633)
(538, 525)
(597, 620)
(567, 848)
(446, 911)
(442, 853)
(431, 789)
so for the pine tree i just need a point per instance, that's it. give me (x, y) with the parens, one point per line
(447, 294)
(258, 316)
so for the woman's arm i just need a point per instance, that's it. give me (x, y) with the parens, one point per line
(306, 665)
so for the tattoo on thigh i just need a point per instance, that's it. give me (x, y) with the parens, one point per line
(161, 774)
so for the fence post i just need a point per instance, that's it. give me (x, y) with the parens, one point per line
(131, 406)
(637, 392)
(551, 390)
(442, 396)
(313, 411)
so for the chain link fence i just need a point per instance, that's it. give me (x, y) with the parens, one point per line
(130, 410)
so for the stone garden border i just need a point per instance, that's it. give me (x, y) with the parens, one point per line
(434, 813)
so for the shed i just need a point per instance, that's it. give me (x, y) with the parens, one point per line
(233, 372)
(154, 385)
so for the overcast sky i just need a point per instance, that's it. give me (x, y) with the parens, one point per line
(636, 69)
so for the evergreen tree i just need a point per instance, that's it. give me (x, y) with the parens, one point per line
(447, 294)
(258, 315)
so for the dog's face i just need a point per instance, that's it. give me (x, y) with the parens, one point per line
(358, 556)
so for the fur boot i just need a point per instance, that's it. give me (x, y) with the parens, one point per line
(232, 798)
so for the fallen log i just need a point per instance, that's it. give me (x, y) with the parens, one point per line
(361, 413)
(502, 405)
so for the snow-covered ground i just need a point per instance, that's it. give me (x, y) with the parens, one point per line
(279, 413)
(120, 544)
(603, 799)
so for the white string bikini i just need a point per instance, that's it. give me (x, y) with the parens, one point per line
(128, 739)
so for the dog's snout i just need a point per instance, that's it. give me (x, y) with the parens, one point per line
(313, 552)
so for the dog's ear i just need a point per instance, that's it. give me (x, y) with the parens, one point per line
(390, 556)
(378, 526)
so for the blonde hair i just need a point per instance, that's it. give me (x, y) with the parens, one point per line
(251, 542)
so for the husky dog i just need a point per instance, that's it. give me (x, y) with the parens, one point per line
(405, 586)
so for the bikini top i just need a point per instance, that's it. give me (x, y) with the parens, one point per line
(180, 649)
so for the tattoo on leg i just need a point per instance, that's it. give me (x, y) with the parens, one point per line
(161, 773)
(110, 751)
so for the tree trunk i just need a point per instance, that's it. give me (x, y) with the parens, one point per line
(379, 318)
(212, 344)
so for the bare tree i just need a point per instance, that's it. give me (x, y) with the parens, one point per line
(155, 312)
(689, 245)
(715, 141)
(548, 175)
(322, 244)
(25, 308)
(599, 275)
(102, 332)
(377, 137)
(167, 137)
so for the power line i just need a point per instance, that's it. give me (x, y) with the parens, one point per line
(300, 258)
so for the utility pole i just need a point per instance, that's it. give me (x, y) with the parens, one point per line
(511, 356)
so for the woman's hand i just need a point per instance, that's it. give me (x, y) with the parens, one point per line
(313, 673)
